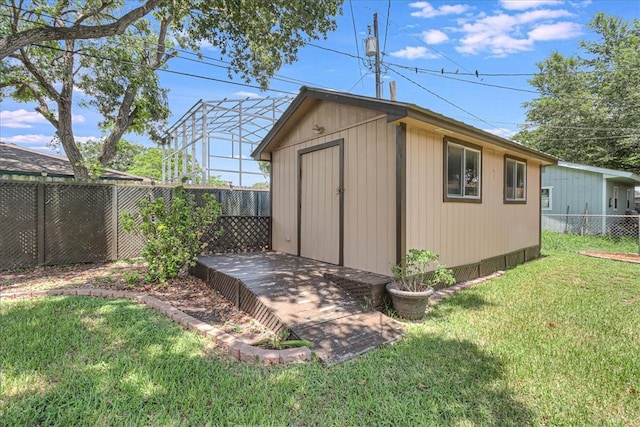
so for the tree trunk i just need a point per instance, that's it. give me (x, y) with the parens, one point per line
(123, 121)
(65, 117)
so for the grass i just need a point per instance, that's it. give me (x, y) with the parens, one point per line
(553, 342)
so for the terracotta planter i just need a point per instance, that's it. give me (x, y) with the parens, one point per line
(409, 305)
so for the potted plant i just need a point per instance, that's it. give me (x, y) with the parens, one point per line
(413, 283)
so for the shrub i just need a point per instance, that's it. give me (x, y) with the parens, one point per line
(419, 270)
(172, 232)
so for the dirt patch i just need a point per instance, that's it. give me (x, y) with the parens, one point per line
(617, 256)
(187, 293)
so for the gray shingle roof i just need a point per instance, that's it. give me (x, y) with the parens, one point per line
(15, 160)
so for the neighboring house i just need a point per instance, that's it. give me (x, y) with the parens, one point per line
(575, 189)
(21, 162)
(358, 181)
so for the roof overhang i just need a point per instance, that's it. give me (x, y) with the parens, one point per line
(395, 112)
(608, 174)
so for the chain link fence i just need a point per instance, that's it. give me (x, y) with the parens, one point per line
(619, 233)
(49, 223)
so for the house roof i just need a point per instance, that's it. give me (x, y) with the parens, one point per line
(395, 111)
(16, 160)
(622, 176)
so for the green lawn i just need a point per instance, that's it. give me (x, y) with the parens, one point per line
(553, 342)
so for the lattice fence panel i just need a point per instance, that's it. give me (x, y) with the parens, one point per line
(491, 265)
(18, 225)
(466, 272)
(130, 244)
(78, 223)
(250, 303)
(238, 234)
(532, 253)
(226, 285)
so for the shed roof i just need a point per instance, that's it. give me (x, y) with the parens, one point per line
(16, 160)
(623, 176)
(395, 111)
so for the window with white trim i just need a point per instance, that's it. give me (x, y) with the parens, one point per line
(546, 198)
(615, 198)
(462, 172)
(515, 180)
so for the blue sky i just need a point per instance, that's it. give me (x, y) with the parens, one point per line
(432, 51)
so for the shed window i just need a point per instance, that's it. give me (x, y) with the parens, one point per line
(515, 180)
(462, 172)
(615, 198)
(546, 198)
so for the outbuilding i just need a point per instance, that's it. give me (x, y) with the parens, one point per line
(582, 199)
(358, 181)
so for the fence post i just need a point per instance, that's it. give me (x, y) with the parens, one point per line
(638, 234)
(114, 224)
(41, 226)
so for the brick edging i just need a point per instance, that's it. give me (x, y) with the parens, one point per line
(239, 350)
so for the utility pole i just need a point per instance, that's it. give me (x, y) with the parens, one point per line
(372, 48)
(375, 34)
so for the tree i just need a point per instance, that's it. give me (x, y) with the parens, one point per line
(147, 164)
(589, 106)
(18, 39)
(117, 74)
(123, 159)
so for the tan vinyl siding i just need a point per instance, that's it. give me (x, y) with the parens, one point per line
(370, 197)
(465, 233)
(329, 116)
(369, 183)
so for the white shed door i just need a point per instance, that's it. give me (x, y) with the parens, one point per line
(320, 196)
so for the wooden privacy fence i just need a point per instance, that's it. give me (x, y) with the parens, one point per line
(52, 223)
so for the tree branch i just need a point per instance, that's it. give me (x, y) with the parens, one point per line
(42, 80)
(19, 40)
(102, 7)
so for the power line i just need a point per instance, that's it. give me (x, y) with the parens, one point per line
(386, 29)
(355, 37)
(480, 83)
(104, 58)
(443, 99)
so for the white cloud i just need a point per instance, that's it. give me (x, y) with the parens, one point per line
(83, 139)
(434, 37)
(557, 31)
(502, 34)
(28, 139)
(247, 94)
(41, 140)
(527, 4)
(428, 11)
(23, 119)
(20, 119)
(35, 142)
(414, 52)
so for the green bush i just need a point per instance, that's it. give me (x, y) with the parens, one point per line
(172, 232)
